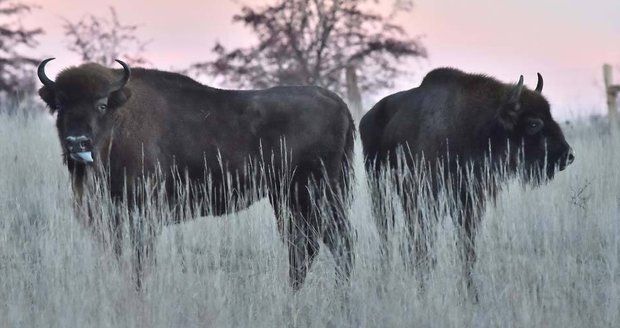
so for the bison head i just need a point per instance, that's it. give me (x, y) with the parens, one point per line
(84, 99)
(525, 119)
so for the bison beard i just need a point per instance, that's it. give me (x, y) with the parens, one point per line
(455, 135)
(169, 129)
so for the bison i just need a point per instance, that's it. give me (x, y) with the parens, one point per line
(469, 132)
(129, 124)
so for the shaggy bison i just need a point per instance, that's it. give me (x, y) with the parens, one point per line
(462, 129)
(132, 124)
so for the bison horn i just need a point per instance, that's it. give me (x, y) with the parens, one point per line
(515, 94)
(126, 74)
(41, 73)
(539, 85)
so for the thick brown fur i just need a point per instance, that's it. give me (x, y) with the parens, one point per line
(162, 121)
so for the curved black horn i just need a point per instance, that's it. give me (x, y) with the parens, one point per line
(515, 93)
(539, 85)
(41, 73)
(126, 74)
(520, 83)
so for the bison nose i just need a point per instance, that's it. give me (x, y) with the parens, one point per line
(80, 148)
(571, 156)
(567, 159)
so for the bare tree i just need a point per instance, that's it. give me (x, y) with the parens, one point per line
(16, 67)
(316, 42)
(103, 39)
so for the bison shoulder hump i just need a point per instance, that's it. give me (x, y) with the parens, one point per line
(443, 75)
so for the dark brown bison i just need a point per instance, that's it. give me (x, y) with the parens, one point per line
(463, 129)
(155, 121)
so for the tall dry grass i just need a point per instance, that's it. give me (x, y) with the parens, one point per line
(547, 256)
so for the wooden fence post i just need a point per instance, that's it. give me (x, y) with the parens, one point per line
(612, 92)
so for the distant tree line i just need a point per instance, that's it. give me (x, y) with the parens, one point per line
(337, 44)
(16, 42)
(98, 39)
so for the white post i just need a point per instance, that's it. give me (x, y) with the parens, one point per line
(611, 91)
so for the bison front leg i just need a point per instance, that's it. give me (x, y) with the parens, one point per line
(106, 228)
(418, 237)
(469, 221)
(116, 229)
(383, 215)
(142, 235)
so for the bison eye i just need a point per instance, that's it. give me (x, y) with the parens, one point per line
(534, 125)
(102, 107)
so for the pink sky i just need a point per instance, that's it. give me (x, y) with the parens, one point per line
(566, 40)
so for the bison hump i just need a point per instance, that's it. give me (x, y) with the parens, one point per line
(443, 75)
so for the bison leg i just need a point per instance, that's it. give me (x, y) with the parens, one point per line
(303, 233)
(337, 237)
(384, 218)
(108, 234)
(142, 236)
(278, 202)
(470, 259)
(418, 243)
(335, 224)
(116, 229)
(303, 248)
(293, 215)
(468, 236)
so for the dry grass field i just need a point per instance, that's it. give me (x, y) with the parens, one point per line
(547, 256)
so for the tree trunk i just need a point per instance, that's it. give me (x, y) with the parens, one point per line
(353, 94)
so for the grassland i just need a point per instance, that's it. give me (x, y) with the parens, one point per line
(547, 257)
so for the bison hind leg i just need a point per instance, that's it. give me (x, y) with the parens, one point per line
(312, 212)
(337, 237)
(293, 214)
(334, 201)
(303, 247)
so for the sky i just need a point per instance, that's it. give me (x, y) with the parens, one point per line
(565, 40)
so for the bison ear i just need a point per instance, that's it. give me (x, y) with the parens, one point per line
(510, 109)
(119, 98)
(49, 97)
